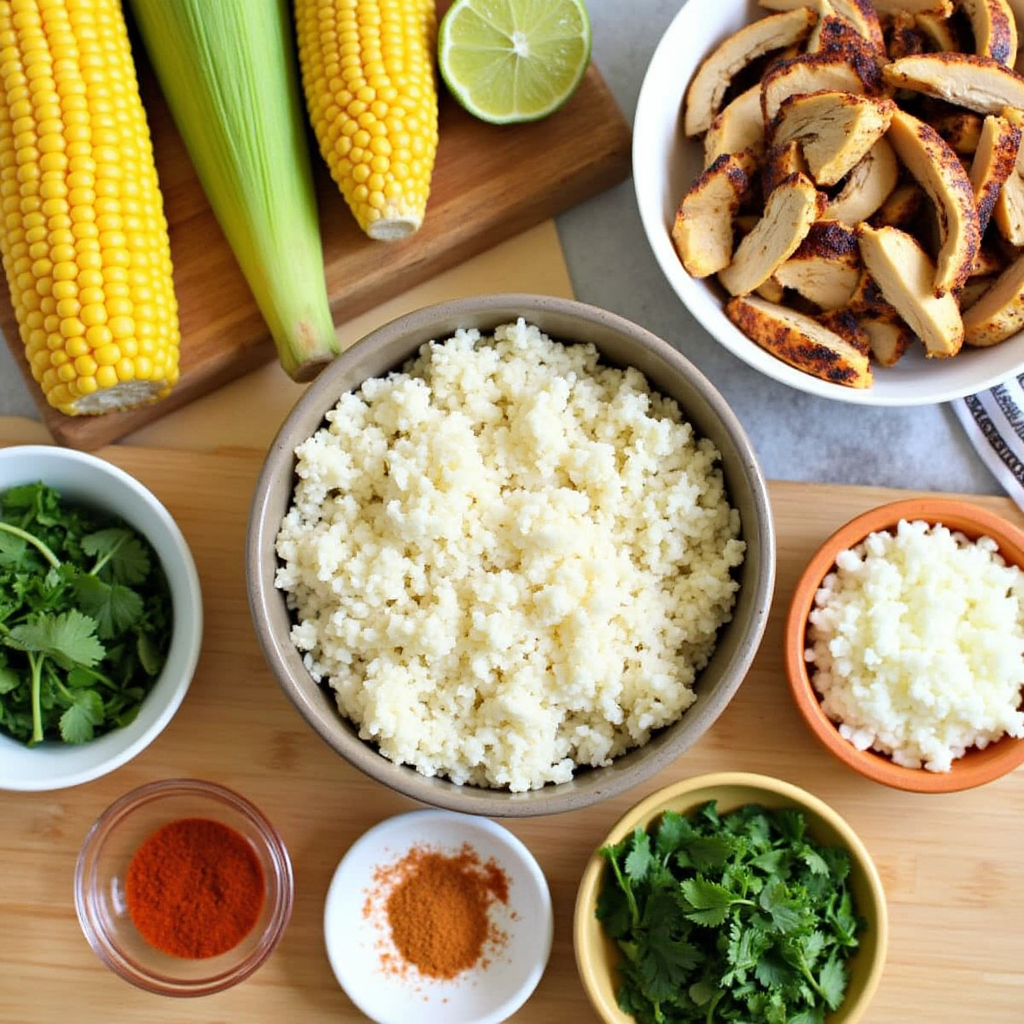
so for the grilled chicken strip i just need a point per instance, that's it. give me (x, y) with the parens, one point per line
(994, 28)
(867, 186)
(815, 72)
(966, 80)
(860, 14)
(835, 129)
(709, 85)
(999, 312)
(826, 267)
(1008, 211)
(703, 228)
(800, 341)
(994, 161)
(790, 211)
(905, 273)
(936, 168)
(738, 126)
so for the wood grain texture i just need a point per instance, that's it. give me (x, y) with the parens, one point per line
(490, 183)
(950, 864)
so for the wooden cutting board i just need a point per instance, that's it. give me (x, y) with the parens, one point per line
(489, 184)
(951, 865)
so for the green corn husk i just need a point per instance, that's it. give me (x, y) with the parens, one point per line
(227, 69)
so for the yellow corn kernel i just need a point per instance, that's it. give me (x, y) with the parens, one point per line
(75, 160)
(371, 92)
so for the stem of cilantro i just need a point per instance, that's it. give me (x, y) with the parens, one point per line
(35, 661)
(103, 559)
(624, 885)
(34, 541)
(811, 980)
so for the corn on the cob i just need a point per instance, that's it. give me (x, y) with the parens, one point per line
(83, 235)
(227, 69)
(371, 92)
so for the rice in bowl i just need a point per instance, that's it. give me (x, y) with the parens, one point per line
(508, 560)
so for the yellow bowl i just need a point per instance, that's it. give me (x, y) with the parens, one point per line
(597, 955)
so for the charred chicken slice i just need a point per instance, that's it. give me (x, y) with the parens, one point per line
(936, 168)
(994, 161)
(905, 273)
(709, 85)
(703, 228)
(966, 80)
(999, 312)
(860, 14)
(835, 129)
(866, 187)
(816, 72)
(826, 267)
(800, 341)
(790, 211)
(994, 28)
(737, 127)
(1008, 211)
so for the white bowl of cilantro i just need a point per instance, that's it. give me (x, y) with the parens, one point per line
(731, 896)
(101, 617)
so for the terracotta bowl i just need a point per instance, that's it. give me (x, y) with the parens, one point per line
(597, 955)
(976, 767)
(620, 343)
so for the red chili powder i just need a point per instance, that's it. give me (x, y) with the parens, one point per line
(195, 888)
(436, 907)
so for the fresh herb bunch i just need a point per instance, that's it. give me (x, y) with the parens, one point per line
(733, 917)
(85, 618)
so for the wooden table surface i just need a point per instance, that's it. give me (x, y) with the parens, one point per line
(951, 865)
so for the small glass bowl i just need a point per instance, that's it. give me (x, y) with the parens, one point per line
(100, 887)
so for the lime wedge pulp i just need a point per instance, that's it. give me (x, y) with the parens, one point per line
(513, 60)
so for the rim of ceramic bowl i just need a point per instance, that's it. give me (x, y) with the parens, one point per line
(389, 345)
(116, 748)
(585, 934)
(664, 164)
(977, 767)
(279, 887)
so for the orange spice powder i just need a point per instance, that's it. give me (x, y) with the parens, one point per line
(436, 907)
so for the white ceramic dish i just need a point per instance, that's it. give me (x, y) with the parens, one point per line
(359, 944)
(665, 164)
(94, 481)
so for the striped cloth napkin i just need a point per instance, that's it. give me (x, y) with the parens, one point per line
(994, 421)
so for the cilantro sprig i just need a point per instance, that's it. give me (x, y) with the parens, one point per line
(85, 618)
(729, 917)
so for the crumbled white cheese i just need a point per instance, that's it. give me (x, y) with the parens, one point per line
(508, 559)
(917, 645)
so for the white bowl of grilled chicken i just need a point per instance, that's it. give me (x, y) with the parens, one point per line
(836, 191)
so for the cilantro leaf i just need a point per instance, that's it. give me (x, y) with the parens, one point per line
(78, 723)
(114, 606)
(68, 638)
(119, 549)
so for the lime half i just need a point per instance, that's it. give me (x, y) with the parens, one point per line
(513, 60)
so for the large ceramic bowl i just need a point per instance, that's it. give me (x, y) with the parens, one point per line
(597, 955)
(977, 766)
(619, 342)
(93, 481)
(665, 164)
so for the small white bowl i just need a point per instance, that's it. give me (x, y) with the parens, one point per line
(359, 944)
(665, 164)
(90, 480)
